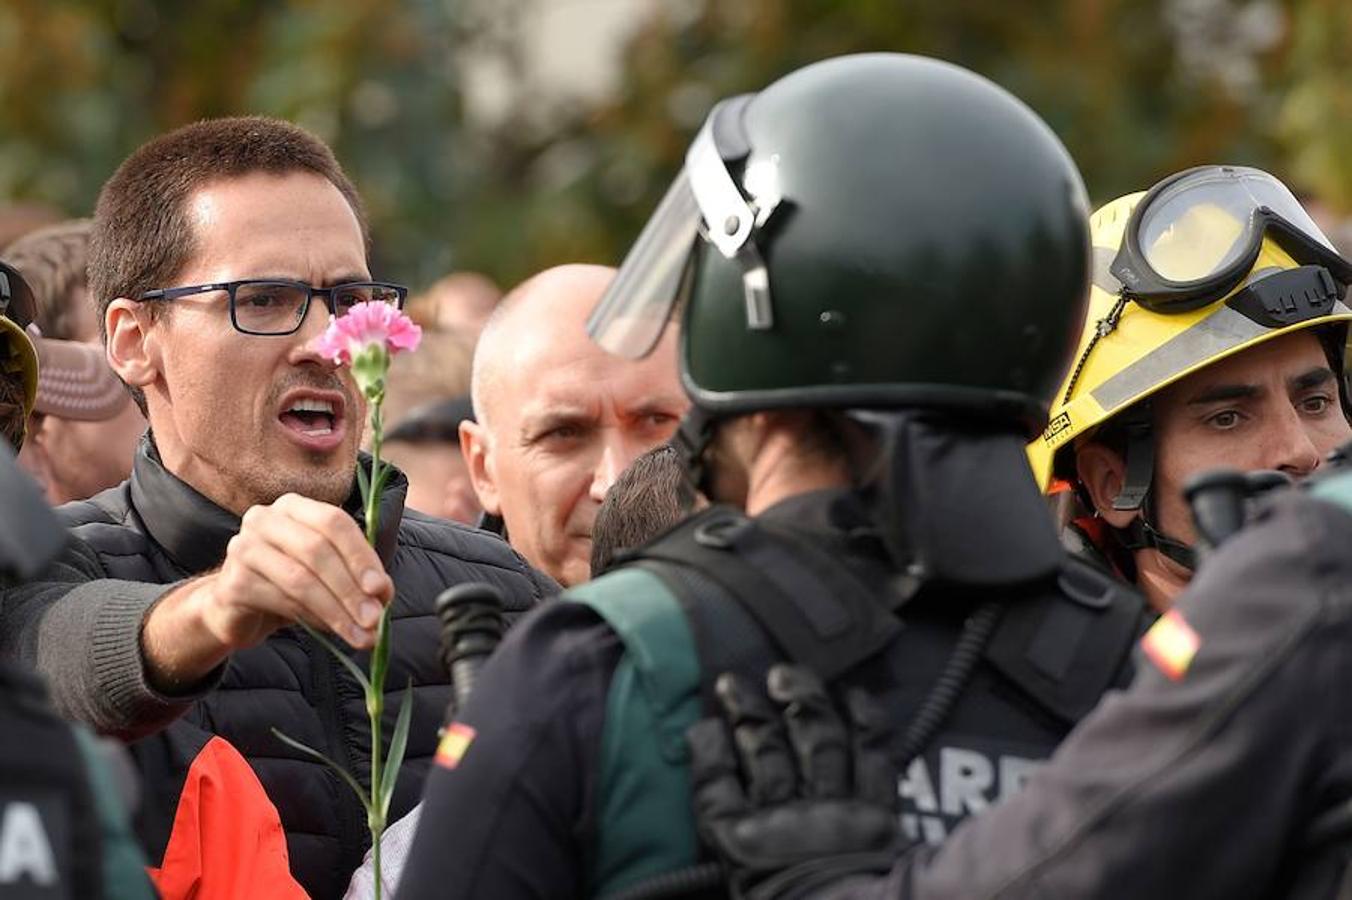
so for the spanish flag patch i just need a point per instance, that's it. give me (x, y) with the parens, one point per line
(1171, 644)
(455, 740)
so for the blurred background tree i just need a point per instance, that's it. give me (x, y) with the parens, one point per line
(459, 120)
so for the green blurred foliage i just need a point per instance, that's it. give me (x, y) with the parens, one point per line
(1136, 89)
(83, 82)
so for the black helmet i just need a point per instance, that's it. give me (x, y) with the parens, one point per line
(874, 231)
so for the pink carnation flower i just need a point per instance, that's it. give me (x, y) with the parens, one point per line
(364, 325)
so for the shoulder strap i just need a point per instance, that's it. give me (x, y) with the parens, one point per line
(811, 608)
(1072, 641)
(645, 825)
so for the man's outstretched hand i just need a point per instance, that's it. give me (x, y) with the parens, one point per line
(791, 795)
(294, 560)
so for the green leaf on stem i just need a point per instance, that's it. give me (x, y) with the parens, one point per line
(363, 482)
(398, 741)
(342, 657)
(351, 782)
(383, 478)
(380, 656)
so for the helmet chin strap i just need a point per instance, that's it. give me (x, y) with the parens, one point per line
(691, 441)
(1141, 533)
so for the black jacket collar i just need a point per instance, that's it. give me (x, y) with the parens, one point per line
(193, 531)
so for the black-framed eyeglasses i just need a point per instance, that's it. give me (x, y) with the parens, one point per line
(273, 307)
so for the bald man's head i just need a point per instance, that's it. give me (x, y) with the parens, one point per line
(557, 299)
(558, 417)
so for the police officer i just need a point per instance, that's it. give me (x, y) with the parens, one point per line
(1225, 770)
(880, 265)
(1207, 341)
(63, 825)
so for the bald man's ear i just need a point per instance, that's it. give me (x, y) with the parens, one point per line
(1102, 470)
(475, 448)
(133, 351)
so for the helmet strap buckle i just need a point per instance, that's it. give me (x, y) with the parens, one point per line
(730, 220)
(1140, 463)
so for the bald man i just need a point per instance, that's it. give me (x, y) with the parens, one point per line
(558, 418)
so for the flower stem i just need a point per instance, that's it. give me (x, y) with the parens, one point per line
(373, 496)
(375, 815)
(375, 700)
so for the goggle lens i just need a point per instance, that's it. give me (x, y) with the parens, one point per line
(1202, 224)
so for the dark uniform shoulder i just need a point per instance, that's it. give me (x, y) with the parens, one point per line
(1068, 640)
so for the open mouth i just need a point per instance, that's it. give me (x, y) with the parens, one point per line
(311, 417)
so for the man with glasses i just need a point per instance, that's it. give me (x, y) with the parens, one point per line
(1216, 335)
(219, 251)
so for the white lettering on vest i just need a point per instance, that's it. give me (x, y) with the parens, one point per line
(969, 781)
(964, 776)
(24, 847)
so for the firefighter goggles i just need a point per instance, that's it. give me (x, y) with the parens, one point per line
(1195, 237)
(706, 202)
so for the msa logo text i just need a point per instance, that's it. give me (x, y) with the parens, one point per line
(1055, 427)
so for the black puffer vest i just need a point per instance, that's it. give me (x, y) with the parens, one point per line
(155, 528)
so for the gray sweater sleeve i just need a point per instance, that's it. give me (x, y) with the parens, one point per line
(82, 632)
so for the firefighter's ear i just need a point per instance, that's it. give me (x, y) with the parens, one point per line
(1102, 470)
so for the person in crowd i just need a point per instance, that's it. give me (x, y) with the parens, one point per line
(426, 399)
(425, 445)
(557, 419)
(1170, 381)
(460, 304)
(649, 497)
(84, 428)
(218, 253)
(859, 416)
(64, 825)
(1223, 771)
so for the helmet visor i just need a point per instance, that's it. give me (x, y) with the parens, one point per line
(636, 307)
(1204, 224)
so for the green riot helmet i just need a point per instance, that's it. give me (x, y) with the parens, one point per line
(877, 231)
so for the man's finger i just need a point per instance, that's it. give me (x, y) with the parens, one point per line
(760, 740)
(713, 771)
(329, 544)
(816, 733)
(306, 597)
(875, 774)
(347, 537)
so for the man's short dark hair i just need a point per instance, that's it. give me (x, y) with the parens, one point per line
(142, 235)
(649, 497)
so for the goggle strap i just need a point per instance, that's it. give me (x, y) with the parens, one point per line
(1105, 327)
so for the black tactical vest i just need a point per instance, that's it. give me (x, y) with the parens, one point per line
(50, 837)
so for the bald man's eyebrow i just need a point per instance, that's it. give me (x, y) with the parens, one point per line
(535, 426)
(1317, 377)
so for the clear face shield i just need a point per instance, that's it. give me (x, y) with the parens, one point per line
(704, 202)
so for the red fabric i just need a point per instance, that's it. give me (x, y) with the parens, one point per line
(227, 840)
(1096, 531)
